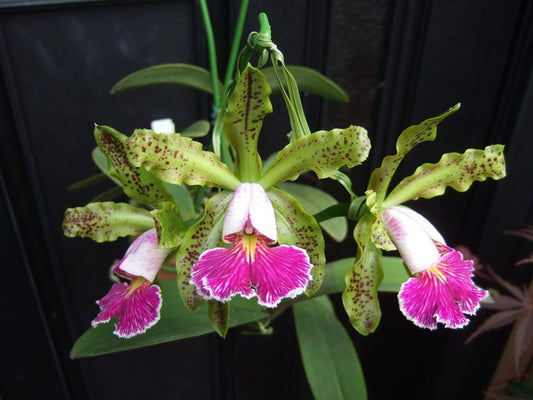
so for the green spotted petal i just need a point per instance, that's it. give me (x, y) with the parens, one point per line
(103, 222)
(360, 298)
(138, 184)
(169, 225)
(409, 138)
(205, 234)
(219, 316)
(322, 152)
(455, 170)
(243, 119)
(380, 237)
(298, 228)
(178, 159)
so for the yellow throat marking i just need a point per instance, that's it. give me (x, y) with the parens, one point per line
(135, 284)
(249, 242)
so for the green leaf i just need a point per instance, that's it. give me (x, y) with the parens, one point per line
(197, 129)
(176, 323)
(219, 316)
(521, 389)
(309, 80)
(88, 182)
(456, 170)
(328, 354)
(182, 197)
(178, 159)
(107, 221)
(109, 195)
(323, 152)
(409, 138)
(178, 74)
(394, 275)
(100, 160)
(298, 228)
(205, 234)
(169, 225)
(245, 110)
(360, 298)
(315, 200)
(138, 184)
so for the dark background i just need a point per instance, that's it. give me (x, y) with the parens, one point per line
(400, 62)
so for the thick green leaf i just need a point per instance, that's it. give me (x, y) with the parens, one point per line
(178, 159)
(298, 228)
(455, 170)
(100, 160)
(138, 184)
(219, 316)
(360, 298)
(322, 152)
(313, 201)
(182, 197)
(394, 275)
(176, 323)
(328, 354)
(178, 74)
(521, 389)
(169, 225)
(88, 182)
(309, 80)
(409, 138)
(245, 110)
(107, 221)
(205, 234)
(197, 129)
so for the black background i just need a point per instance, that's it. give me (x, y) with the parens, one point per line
(400, 62)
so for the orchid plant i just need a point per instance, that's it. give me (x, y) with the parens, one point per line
(248, 243)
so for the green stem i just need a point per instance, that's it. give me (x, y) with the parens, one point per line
(211, 48)
(235, 44)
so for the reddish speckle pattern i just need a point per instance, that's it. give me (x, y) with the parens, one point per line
(169, 225)
(204, 235)
(297, 228)
(178, 159)
(219, 316)
(360, 298)
(137, 183)
(247, 107)
(322, 152)
(106, 221)
(455, 170)
(410, 137)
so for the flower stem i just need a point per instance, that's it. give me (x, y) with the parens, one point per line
(211, 48)
(235, 44)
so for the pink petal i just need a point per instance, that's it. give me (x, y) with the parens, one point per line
(143, 258)
(136, 310)
(111, 303)
(441, 294)
(270, 273)
(140, 311)
(279, 272)
(222, 273)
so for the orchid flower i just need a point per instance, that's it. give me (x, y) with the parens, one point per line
(135, 304)
(250, 267)
(249, 213)
(442, 290)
